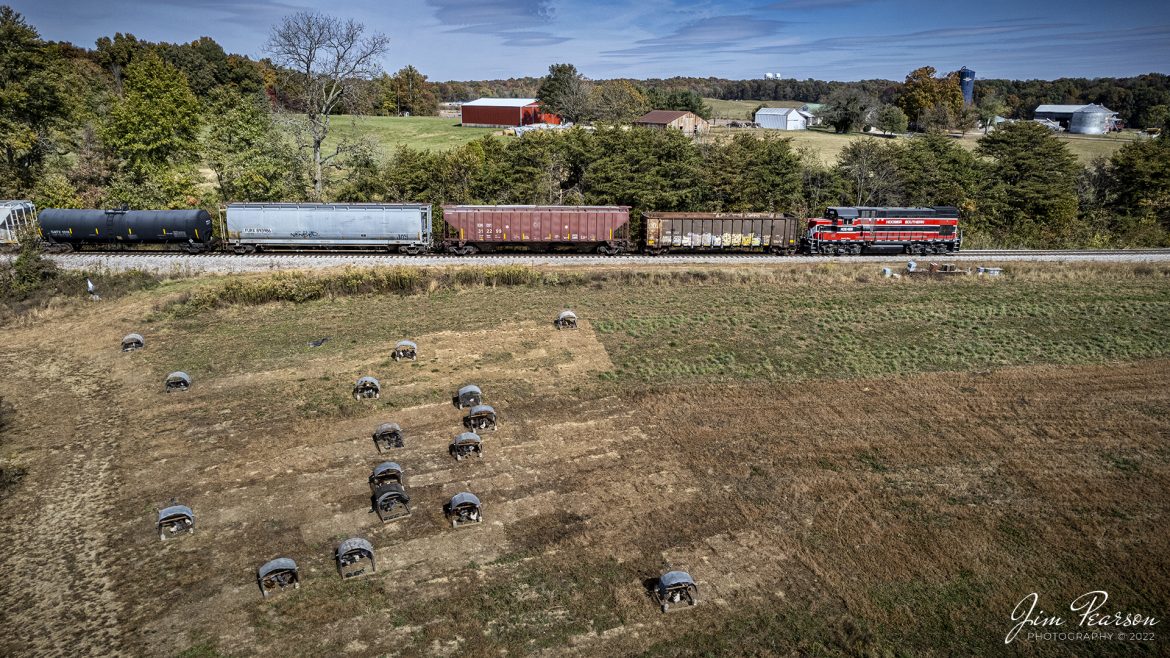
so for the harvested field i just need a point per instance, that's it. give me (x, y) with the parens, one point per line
(916, 457)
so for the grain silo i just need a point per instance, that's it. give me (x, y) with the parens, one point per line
(967, 84)
(1082, 119)
(1091, 120)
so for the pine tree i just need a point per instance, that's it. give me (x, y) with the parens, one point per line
(750, 174)
(1029, 193)
(1140, 176)
(157, 122)
(935, 171)
(891, 119)
(564, 91)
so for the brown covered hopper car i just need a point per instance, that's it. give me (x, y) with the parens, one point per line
(699, 231)
(604, 229)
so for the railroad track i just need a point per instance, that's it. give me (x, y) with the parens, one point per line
(164, 262)
(1062, 252)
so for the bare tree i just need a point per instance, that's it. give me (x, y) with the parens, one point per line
(324, 60)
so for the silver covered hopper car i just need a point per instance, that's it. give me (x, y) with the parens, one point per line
(393, 227)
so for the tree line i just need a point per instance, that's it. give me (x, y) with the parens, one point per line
(179, 126)
(567, 93)
(1141, 101)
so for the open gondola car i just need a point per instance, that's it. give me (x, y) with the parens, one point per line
(716, 232)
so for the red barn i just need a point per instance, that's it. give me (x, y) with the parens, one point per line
(504, 113)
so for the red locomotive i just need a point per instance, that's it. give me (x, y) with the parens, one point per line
(865, 229)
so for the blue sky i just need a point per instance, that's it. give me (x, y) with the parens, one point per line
(823, 39)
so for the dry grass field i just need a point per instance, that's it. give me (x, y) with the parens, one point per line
(826, 145)
(847, 465)
(742, 110)
(392, 133)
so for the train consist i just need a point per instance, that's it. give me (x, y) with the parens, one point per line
(467, 229)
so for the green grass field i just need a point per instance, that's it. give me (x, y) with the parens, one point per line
(389, 133)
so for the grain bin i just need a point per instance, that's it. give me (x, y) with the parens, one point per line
(1091, 120)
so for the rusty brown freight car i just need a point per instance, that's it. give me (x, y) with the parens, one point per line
(601, 229)
(709, 231)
